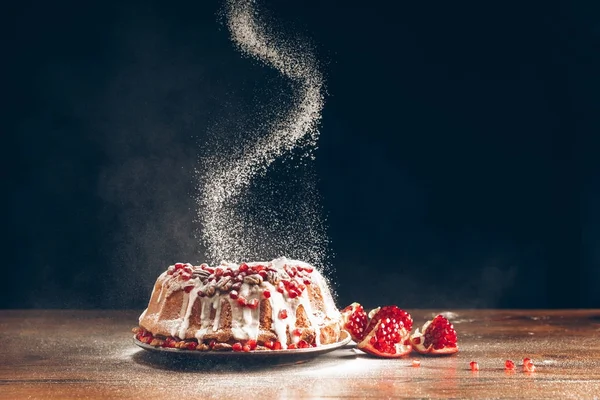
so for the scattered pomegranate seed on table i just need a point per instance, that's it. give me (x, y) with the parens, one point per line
(474, 366)
(528, 365)
(509, 364)
(416, 363)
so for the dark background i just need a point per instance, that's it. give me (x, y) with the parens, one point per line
(457, 161)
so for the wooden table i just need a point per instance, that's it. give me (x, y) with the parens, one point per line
(90, 354)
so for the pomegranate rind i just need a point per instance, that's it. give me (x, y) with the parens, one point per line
(400, 348)
(355, 321)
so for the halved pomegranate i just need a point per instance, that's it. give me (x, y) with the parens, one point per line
(438, 337)
(355, 321)
(390, 312)
(388, 339)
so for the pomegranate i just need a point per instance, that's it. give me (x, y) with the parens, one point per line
(388, 339)
(438, 337)
(355, 321)
(390, 312)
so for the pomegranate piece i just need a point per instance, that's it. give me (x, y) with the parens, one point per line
(438, 337)
(191, 345)
(277, 345)
(474, 366)
(303, 344)
(283, 314)
(243, 267)
(246, 348)
(252, 344)
(509, 364)
(267, 294)
(386, 339)
(391, 312)
(355, 321)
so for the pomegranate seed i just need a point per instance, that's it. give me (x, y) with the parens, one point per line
(307, 281)
(474, 366)
(277, 346)
(416, 363)
(243, 267)
(292, 346)
(308, 269)
(253, 304)
(210, 270)
(219, 272)
(252, 343)
(269, 344)
(263, 274)
(191, 345)
(188, 270)
(188, 289)
(185, 277)
(303, 344)
(509, 364)
(212, 343)
(241, 300)
(179, 266)
(267, 294)
(233, 294)
(292, 294)
(283, 314)
(237, 347)
(246, 348)
(280, 287)
(297, 332)
(528, 365)
(201, 293)
(417, 340)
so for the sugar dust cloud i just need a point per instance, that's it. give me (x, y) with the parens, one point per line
(235, 183)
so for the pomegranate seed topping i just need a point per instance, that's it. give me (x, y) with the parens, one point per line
(253, 304)
(219, 271)
(269, 344)
(243, 267)
(201, 293)
(303, 344)
(241, 300)
(292, 346)
(252, 343)
(297, 332)
(210, 270)
(307, 281)
(283, 314)
(246, 348)
(237, 347)
(292, 294)
(509, 364)
(280, 287)
(188, 289)
(188, 270)
(416, 363)
(185, 277)
(267, 294)
(263, 274)
(277, 346)
(474, 366)
(233, 294)
(179, 266)
(191, 345)
(212, 343)
(308, 269)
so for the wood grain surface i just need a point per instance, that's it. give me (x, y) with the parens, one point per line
(51, 354)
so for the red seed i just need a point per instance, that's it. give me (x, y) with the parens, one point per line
(246, 348)
(219, 271)
(269, 344)
(307, 281)
(509, 364)
(277, 346)
(243, 267)
(237, 347)
(308, 269)
(233, 294)
(253, 304)
(303, 344)
(292, 346)
(283, 314)
(416, 363)
(252, 343)
(188, 289)
(280, 287)
(474, 366)
(191, 345)
(267, 294)
(263, 274)
(241, 300)
(297, 332)
(292, 294)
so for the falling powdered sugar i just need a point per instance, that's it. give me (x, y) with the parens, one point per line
(234, 226)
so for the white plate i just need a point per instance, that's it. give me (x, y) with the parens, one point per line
(300, 354)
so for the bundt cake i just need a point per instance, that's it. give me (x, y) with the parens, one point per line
(251, 306)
